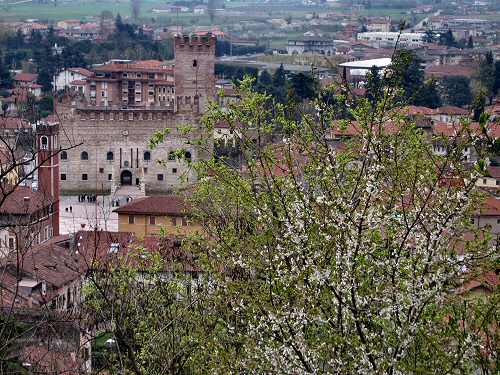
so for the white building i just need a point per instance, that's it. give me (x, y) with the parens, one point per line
(316, 45)
(65, 78)
(356, 71)
(389, 39)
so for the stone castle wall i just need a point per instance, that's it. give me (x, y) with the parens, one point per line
(127, 132)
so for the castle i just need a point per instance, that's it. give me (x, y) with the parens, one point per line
(123, 103)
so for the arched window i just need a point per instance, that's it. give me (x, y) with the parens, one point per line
(44, 143)
(84, 155)
(109, 155)
(147, 155)
(64, 155)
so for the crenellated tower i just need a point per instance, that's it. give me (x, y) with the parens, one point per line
(194, 72)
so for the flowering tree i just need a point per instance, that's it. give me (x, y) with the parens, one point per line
(343, 257)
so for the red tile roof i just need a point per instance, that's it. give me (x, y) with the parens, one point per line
(78, 82)
(144, 65)
(494, 171)
(82, 71)
(413, 110)
(449, 70)
(451, 110)
(14, 123)
(155, 205)
(453, 130)
(26, 77)
(490, 207)
(23, 200)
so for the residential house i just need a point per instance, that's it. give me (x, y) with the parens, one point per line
(151, 215)
(449, 114)
(66, 78)
(488, 215)
(490, 182)
(28, 82)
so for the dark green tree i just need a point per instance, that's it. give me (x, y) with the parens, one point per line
(279, 77)
(478, 105)
(304, 86)
(45, 79)
(486, 75)
(265, 78)
(447, 39)
(430, 36)
(470, 42)
(279, 84)
(5, 76)
(407, 75)
(374, 88)
(455, 90)
(428, 95)
(496, 84)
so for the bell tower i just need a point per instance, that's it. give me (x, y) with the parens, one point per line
(47, 147)
(194, 72)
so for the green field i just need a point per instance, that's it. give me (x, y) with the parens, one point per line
(78, 9)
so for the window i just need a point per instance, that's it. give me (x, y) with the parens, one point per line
(195, 63)
(85, 177)
(131, 219)
(84, 155)
(109, 155)
(63, 176)
(171, 155)
(173, 221)
(152, 220)
(44, 143)
(484, 180)
(160, 177)
(174, 170)
(498, 182)
(184, 222)
(11, 243)
(498, 221)
(110, 177)
(147, 155)
(187, 155)
(145, 171)
(64, 155)
(101, 170)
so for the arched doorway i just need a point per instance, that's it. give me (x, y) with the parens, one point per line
(126, 178)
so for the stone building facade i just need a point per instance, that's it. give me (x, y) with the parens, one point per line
(127, 102)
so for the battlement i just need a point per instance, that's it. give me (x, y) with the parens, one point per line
(203, 42)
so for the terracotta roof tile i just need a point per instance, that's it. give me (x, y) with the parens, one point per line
(155, 205)
(14, 123)
(490, 207)
(451, 110)
(449, 70)
(144, 65)
(26, 77)
(82, 71)
(23, 200)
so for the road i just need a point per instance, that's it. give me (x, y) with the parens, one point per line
(420, 25)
